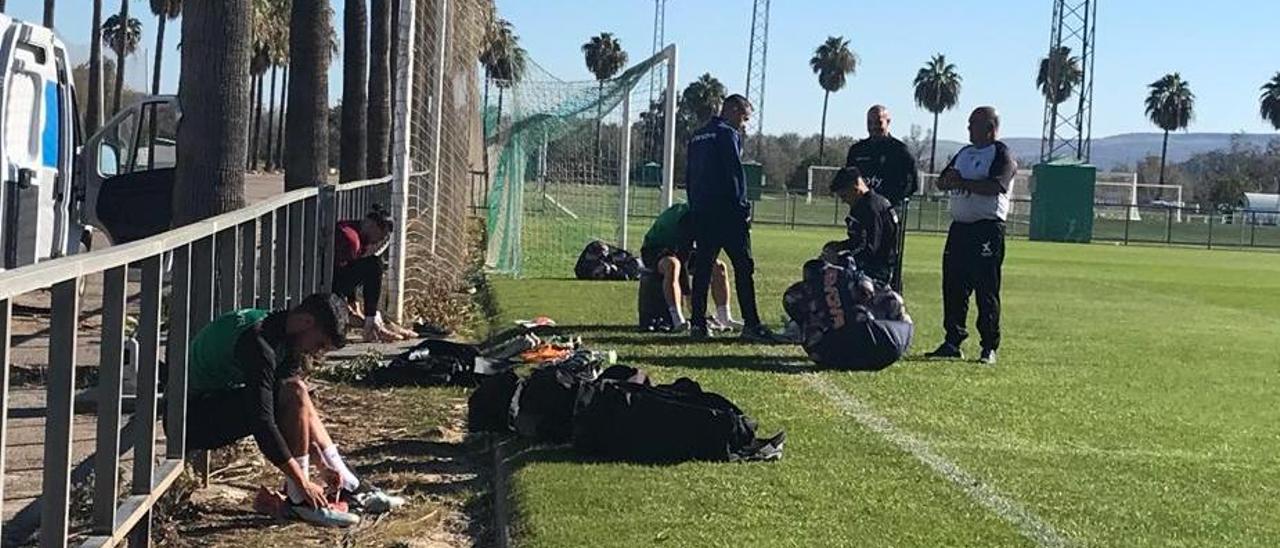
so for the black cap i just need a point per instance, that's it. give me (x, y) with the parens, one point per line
(330, 313)
(844, 178)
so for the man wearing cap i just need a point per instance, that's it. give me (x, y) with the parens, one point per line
(889, 169)
(245, 377)
(872, 227)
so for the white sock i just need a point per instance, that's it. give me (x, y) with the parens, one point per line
(333, 461)
(677, 317)
(295, 492)
(722, 314)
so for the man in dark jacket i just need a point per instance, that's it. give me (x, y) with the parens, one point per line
(889, 169)
(872, 227)
(721, 213)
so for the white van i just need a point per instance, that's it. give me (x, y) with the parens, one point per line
(55, 193)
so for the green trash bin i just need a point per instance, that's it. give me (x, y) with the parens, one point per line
(755, 179)
(1062, 202)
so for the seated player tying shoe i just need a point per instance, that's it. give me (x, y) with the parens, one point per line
(358, 246)
(246, 378)
(872, 227)
(668, 250)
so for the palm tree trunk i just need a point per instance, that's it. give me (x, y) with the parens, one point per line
(307, 124)
(254, 151)
(822, 138)
(155, 80)
(213, 135)
(284, 111)
(254, 84)
(933, 145)
(379, 98)
(354, 143)
(93, 111)
(271, 122)
(120, 55)
(48, 13)
(1164, 151)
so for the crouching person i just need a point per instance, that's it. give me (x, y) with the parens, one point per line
(847, 320)
(245, 378)
(357, 258)
(668, 251)
(872, 227)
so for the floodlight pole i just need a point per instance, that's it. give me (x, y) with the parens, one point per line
(669, 130)
(1067, 132)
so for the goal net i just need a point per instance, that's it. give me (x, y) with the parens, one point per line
(574, 162)
(1115, 196)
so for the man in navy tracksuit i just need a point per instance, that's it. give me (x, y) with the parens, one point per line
(721, 215)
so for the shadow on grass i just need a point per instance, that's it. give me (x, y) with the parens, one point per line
(771, 364)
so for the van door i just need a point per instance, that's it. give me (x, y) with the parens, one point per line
(35, 146)
(128, 168)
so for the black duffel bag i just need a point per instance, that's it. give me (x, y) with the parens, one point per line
(601, 261)
(618, 420)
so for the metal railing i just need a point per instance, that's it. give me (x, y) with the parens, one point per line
(268, 255)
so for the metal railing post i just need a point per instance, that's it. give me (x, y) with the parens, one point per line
(1168, 231)
(56, 488)
(296, 253)
(280, 288)
(1128, 218)
(310, 281)
(144, 416)
(201, 288)
(175, 393)
(248, 264)
(328, 205)
(225, 252)
(266, 259)
(1253, 227)
(1211, 231)
(110, 381)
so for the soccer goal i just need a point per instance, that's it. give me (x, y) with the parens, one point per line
(576, 162)
(1115, 196)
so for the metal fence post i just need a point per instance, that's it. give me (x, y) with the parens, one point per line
(1253, 227)
(55, 498)
(329, 208)
(280, 288)
(5, 308)
(1128, 217)
(1168, 231)
(266, 259)
(110, 377)
(310, 211)
(248, 264)
(175, 393)
(1211, 215)
(144, 417)
(225, 270)
(294, 269)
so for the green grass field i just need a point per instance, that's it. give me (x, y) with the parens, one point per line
(1135, 404)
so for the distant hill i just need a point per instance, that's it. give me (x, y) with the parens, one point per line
(1125, 150)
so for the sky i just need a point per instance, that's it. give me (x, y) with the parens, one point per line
(1225, 54)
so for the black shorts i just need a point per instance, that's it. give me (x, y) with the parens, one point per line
(650, 257)
(218, 419)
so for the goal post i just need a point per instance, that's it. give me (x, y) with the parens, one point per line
(577, 161)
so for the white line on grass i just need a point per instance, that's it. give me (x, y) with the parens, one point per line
(1031, 526)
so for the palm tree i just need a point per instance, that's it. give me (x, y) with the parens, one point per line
(1170, 106)
(164, 10)
(307, 123)
(379, 116)
(698, 102)
(1059, 75)
(213, 135)
(355, 94)
(503, 59)
(123, 39)
(271, 26)
(48, 13)
(604, 57)
(1270, 101)
(937, 90)
(93, 111)
(833, 62)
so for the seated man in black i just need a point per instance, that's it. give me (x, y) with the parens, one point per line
(872, 227)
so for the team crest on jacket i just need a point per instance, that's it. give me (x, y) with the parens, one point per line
(986, 249)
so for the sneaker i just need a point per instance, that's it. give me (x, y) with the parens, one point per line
(946, 351)
(759, 334)
(988, 356)
(792, 333)
(718, 326)
(725, 325)
(699, 333)
(328, 516)
(370, 499)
